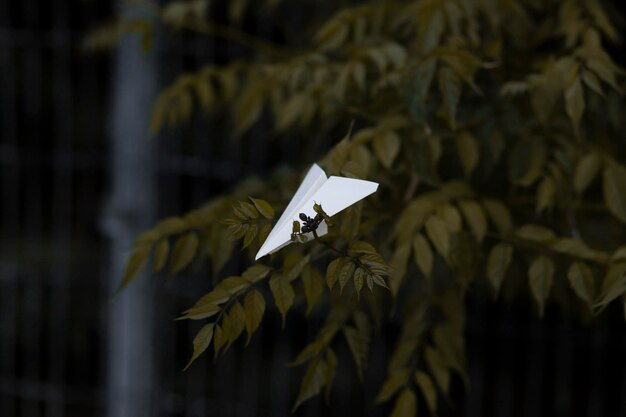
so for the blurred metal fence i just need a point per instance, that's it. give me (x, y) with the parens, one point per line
(56, 175)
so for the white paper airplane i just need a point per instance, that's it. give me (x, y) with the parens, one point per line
(333, 194)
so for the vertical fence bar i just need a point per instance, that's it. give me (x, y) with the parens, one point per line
(130, 210)
(10, 181)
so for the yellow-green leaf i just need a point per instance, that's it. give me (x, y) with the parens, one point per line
(256, 273)
(575, 102)
(586, 170)
(358, 341)
(331, 371)
(428, 390)
(313, 284)
(161, 251)
(498, 265)
(614, 184)
(250, 235)
(438, 234)
(406, 404)
(536, 233)
(359, 279)
(392, 384)
(136, 262)
(237, 317)
(451, 217)
(468, 150)
(313, 381)
(218, 339)
(183, 252)
(332, 273)
(423, 255)
(541, 275)
(581, 280)
(499, 215)
(475, 217)
(346, 273)
(233, 284)
(201, 342)
(248, 107)
(283, 294)
(254, 307)
(437, 365)
(450, 89)
(386, 146)
(613, 286)
(263, 207)
(545, 194)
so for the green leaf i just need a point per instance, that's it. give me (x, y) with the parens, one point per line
(499, 215)
(313, 381)
(406, 404)
(201, 342)
(161, 250)
(613, 286)
(475, 217)
(423, 255)
(582, 282)
(614, 184)
(586, 171)
(346, 273)
(575, 102)
(438, 368)
(135, 264)
(392, 384)
(468, 150)
(313, 284)
(428, 390)
(450, 89)
(358, 341)
(283, 294)
(438, 234)
(254, 307)
(541, 275)
(386, 146)
(498, 265)
(263, 207)
(183, 252)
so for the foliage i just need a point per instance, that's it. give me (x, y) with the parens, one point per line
(495, 129)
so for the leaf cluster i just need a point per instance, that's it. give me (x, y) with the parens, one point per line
(495, 130)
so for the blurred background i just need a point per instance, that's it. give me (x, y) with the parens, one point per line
(80, 177)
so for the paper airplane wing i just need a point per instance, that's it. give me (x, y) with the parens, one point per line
(334, 195)
(313, 180)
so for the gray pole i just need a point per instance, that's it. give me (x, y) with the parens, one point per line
(130, 369)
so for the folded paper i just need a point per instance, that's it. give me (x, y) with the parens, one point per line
(334, 194)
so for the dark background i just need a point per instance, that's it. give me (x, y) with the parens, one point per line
(80, 177)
